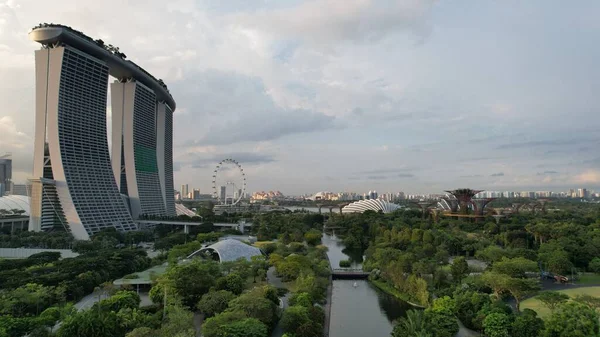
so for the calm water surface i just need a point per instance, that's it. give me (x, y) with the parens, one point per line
(362, 310)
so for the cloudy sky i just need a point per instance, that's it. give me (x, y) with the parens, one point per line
(411, 95)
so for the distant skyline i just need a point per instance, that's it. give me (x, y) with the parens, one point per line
(415, 96)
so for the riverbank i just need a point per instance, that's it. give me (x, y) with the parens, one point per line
(388, 289)
(327, 308)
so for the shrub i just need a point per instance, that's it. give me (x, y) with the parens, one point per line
(345, 263)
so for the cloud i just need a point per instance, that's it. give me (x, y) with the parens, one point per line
(558, 142)
(406, 175)
(377, 177)
(203, 160)
(546, 173)
(588, 177)
(472, 176)
(239, 109)
(391, 170)
(499, 174)
(594, 161)
(327, 21)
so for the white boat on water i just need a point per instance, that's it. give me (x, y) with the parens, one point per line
(355, 285)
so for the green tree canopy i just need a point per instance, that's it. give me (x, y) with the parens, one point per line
(527, 324)
(572, 319)
(497, 325)
(215, 302)
(552, 299)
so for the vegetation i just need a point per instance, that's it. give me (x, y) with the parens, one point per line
(410, 258)
(426, 262)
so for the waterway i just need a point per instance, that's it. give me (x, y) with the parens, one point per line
(361, 310)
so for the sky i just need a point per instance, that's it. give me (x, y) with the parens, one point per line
(347, 95)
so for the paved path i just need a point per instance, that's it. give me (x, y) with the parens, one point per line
(198, 320)
(276, 281)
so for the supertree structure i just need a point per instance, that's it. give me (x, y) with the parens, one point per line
(453, 203)
(480, 203)
(423, 205)
(464, 197)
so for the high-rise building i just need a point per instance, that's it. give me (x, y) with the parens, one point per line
(184, 191)
(134, 143)
(196, 194)
(582, 193)
(223, 194)
(19, 189)
(5, 174)
(75, 182)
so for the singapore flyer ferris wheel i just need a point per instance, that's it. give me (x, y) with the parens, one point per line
(229, 182)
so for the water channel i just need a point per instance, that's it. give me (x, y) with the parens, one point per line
(361, 310)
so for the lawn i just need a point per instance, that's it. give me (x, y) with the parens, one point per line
(534, 304)
(588, 278)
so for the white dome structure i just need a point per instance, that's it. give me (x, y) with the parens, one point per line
(372, 204)
(20, 202)
(229, 250)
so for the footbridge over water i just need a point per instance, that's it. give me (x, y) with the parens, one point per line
(349, 274)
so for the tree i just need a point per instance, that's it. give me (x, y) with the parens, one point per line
(440, 318)
(590, 301)
(441, 323)
(519, 288)
(313, 237)
(50, 316)
(497, 325)
(498, 282)
(412, 325)
(572, 319)
(232, 282)
(120, 300)
(259, 267)
(142, 332)
(91, 323)
(594, 265)
(527, 324)
(179, 322)
(516, 267)
(459, 269)
(215, 326)
(215, 302)
(310, 329)
(249, 327)
(552, 299)
(302, 299)
(294, 317)
(255, 305)
(192, 280)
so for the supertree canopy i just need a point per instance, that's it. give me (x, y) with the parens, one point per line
(464, 197)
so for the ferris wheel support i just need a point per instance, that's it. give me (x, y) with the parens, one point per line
(219, 195)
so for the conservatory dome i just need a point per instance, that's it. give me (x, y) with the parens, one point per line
(372, 204)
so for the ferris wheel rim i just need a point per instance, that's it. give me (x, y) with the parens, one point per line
(243, 176)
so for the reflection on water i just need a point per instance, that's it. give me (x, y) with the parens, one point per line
(337, 252)
(363, 310)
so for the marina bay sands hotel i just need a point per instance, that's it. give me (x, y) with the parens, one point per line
(76, 183)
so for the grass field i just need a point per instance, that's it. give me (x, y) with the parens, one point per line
(588, 278)
(534, 304)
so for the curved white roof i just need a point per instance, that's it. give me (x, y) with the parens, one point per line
(182, 210)
(372, 204)
(231, 250)
(15, 202)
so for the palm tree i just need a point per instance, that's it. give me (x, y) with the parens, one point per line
(413, 325)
